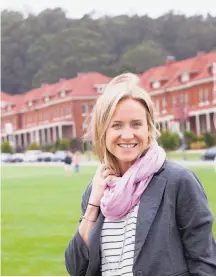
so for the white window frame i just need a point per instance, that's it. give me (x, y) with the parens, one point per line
(156, 84)
(201, 97)
(206, 96)
(9, 108)
(164, 105)
(46, 98)
(86, 109)
(186, 99)
(84, 129)
(174, 102)
(185, 77)
(62, 93)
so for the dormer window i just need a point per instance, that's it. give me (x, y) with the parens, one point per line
(155, 84)
(9, 108)
(62, 93)
(30, 103)
(100, 88)
(46, 98)
(185, 77)
(214, 68)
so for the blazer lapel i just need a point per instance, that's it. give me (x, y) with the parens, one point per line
(149, 204)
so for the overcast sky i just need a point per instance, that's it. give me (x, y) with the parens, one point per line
(77, 8)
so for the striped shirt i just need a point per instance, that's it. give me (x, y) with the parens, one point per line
(117, 245)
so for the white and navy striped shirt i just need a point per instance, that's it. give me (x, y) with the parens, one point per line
(115, 236)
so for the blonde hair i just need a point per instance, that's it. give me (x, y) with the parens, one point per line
(121, 87)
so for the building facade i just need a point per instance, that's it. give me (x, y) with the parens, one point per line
(184, 94)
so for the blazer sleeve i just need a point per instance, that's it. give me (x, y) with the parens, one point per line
(77, 253)
(195, 222)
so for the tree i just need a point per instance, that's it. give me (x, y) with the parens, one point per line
(6, 147)
(49, 46)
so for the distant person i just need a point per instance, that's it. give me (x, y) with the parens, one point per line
(68, 163)
(76, 162)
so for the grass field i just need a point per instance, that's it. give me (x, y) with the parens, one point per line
(40, 211)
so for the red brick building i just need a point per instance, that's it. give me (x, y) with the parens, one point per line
(178, 88)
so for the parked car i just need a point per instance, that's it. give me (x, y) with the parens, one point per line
(59, 156)
(31, 155)
(17, 158)
(6, 157)
(45, 157)
(209, 154)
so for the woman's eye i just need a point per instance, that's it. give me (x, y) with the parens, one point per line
(116, 125)
(137, 124)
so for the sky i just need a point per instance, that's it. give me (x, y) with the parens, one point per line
(77, 8)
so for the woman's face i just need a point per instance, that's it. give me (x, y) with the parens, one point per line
(128, 132)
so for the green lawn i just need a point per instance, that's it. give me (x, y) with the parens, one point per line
(40, 211)
(178, 155)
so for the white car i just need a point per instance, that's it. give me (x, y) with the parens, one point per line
(31, 155)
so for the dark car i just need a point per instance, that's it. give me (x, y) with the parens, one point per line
(209, 154)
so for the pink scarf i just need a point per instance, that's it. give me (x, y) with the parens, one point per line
(122, 195)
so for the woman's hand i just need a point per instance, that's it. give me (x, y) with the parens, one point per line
(102, 176)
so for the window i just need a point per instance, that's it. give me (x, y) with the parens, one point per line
(206, 96)
(155, 84)
(186, 99)
(173, 102)
(91, 107)
(181, 99)
(84, 129)
(164, 105)
(201, 96)
(54, 114)
(84, 109)
(157, 105)
(62, 93)
(30, 103)
(9, 108)
(46, 98)
(185, 77)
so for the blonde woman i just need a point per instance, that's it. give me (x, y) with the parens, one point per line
(141, 214)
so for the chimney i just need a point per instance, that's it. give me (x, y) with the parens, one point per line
(170, 59)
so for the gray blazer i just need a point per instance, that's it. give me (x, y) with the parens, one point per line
(173, 234)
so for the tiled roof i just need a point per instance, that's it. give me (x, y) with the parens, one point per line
(169, 74)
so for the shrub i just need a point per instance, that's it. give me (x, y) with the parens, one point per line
(209, 139)
(198, 145)
(6, 147)
(34, 146)
(169, 141)
(63, 144)
(190, 137)
(51, 147)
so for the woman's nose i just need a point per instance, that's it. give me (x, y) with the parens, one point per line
(127, 133)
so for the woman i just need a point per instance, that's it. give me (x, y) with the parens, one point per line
(141, 214)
